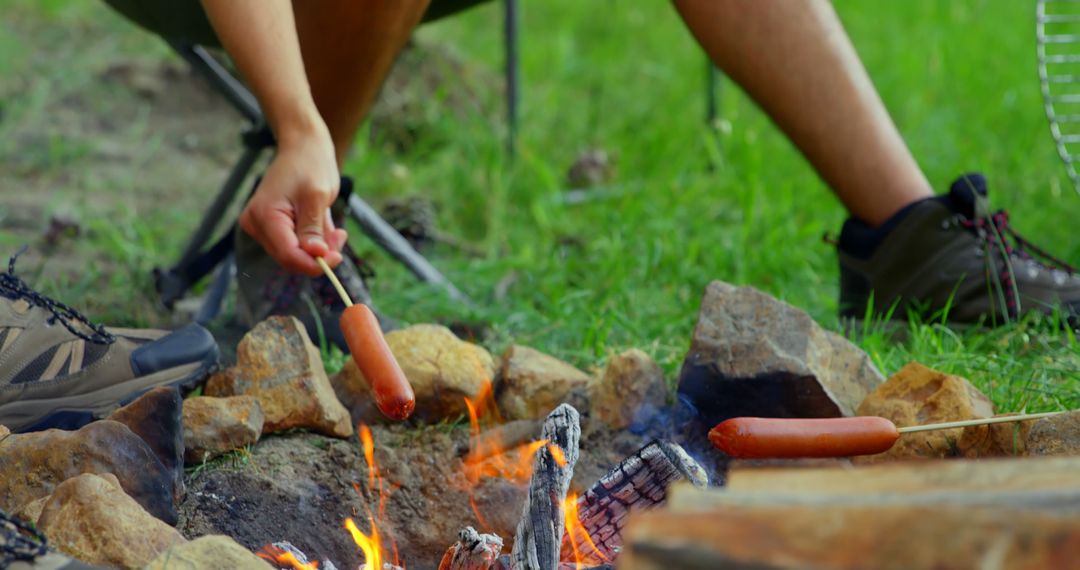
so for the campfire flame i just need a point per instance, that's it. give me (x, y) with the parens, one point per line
(586, 553)
(371, 544)
(284, 559)
(489, 457)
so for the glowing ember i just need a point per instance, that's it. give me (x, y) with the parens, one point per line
(586, 554)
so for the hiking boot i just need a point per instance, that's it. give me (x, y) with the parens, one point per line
(24, 548)
(265, 289)
(951, 258)
(59, 370)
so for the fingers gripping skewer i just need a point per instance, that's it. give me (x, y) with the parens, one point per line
(393, 394)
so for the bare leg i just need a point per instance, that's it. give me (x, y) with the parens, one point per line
(348, 48)
(794, 58)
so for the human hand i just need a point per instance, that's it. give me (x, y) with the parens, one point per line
(290, 211)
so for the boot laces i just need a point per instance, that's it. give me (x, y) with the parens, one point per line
(1000, 240)
(19, 541)
(13, 287)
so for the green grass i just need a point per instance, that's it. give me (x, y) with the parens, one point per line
(689, 204)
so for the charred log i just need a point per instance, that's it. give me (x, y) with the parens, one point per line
(638, 482)
(538, 539)
(472, 551)
(503, 563)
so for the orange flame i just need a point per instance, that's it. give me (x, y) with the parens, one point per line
(367, 443)
(557, 454)
(586, 553)
(369, 545)
(283, 558)
(490, 457)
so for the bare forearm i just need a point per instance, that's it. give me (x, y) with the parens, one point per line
(260, 36)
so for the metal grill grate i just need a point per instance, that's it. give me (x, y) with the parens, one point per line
(1057, 31)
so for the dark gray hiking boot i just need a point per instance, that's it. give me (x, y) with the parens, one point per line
(59, 370)
(24, 548)
(951, 258)
(265, 289)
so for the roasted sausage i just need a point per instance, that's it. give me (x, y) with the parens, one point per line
(759, 438)
(393, 393)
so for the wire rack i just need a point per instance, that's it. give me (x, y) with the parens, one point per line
(1057, 32)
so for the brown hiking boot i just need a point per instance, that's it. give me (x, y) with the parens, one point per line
(951, 258)
(59, 370)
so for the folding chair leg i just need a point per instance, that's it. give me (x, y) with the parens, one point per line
(511, 16)
(386, 237)
(173, 283)
(211, 305)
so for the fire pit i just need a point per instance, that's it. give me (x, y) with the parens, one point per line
(523, 462)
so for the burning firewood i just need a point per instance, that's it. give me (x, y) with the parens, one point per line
(539, 533)
(638, 482)
(473, 551)
(284, 556)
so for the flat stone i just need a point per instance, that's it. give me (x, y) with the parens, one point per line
(994, 440)
(630, 390)
(752, 355)
(33, 464)
(214, 426)
(918, 395)
(1055, 435)
(533, 383)
(211, 551)
(92, 519)
(276, 363)
(155, 417)
(442, 369)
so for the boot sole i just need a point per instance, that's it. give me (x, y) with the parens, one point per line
(73, 412)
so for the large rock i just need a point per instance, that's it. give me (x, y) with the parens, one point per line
(752, 355)
(534, 383)
(276, 363)
(155, 417)
(92, 519)
(442, 369)
(4, 431)
(1055, 435)
(919, 395)
(211, 551)
(994, 440)
(33, 464)
(630, 390)
(213, 426)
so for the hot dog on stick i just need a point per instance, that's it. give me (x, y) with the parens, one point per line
(783, 438)
(393, 394)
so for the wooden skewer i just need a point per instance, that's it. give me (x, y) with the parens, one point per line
(978, 422)
(333, 279)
